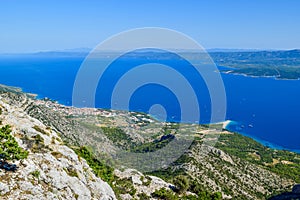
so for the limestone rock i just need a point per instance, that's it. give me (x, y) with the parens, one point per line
(51, 171)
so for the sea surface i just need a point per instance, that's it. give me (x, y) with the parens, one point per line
(265, 109)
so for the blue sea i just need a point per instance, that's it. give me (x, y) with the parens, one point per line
(265, 109)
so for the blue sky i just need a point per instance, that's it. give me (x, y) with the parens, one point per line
(34, 25)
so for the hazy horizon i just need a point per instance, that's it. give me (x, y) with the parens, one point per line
(34, 26)
(87, 50)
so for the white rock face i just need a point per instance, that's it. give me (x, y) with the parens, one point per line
(53, 173)
(142, 184)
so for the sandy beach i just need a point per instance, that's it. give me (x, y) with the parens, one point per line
(225, 123)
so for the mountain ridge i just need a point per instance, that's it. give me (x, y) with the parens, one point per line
(220, 170)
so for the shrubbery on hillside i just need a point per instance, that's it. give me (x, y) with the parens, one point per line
(9, 147)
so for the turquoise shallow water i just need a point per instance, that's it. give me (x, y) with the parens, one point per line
(263, 108)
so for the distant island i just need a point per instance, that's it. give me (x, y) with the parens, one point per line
(280, 64)
(277, 64)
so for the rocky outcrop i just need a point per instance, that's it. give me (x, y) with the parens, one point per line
(143, 184)
(51, 170)
(234, 177)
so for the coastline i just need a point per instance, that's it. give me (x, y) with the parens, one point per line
(232, 72)
(225, 124)
(261, 141)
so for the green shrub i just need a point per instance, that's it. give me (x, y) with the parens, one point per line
(118, 136)
(152, 146)
(181, 183)
(9, 148)
(124, 186)
(143, 196)
(217, 196)
(147, 182)
(164, 194)
(100, 168)
(35, 173)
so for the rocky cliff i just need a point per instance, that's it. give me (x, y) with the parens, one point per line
(51, 170)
